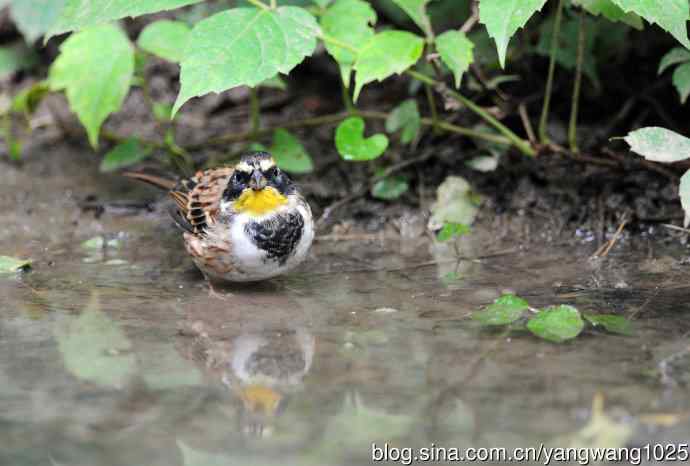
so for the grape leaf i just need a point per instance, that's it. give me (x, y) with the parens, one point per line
(673, 57)
(610, 11)
(503, 18)
(289, 153)
(352, 145)
(348, 21)
(35, 17)
(556, 323)
(95, 68)
(612, 323)
(244, 46)
(456, 52)
(166, 39)
(406, 117)
(659, 144)
(384, 54)
(670, 15)
(681, 79)
(505, 310)
(79, 14)
(416, 9)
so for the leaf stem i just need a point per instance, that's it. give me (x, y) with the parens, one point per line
(274, 4)
(432, 106)
(338, 42)
(522, 145)
(575, 105)
(254, 110)
(259, 4)
(543, 136)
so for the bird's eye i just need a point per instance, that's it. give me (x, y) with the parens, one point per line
(240, 177)
(271, 172)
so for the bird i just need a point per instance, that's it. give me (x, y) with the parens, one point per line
(245, 223)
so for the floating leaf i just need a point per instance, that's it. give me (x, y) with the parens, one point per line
(612, 323)
(80, 14)
(670, 15)
(390, 188)
(12, 265)
(452, 230)
(681, 79)
(504, 17)
(456, 52)
(659, 144)
(385, 54)
(95, 348)
(352, 145)
(504, 310)
(95, 68)
(290, 154)
(684, 193)
(406, 117)
(556, 323)
(673, 57)
(244, 46)
(610, 11)
(34, 17)
(348, 21)
(166, 39)
(125, 154)
(14, 57)
(455, 203)
(416, 9)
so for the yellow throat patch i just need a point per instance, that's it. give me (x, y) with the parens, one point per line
(259, 202)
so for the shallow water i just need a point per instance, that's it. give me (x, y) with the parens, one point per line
(117, 355)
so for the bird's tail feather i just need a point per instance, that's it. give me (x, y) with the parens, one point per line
(154, 180)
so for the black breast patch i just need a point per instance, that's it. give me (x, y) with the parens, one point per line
(278, 236)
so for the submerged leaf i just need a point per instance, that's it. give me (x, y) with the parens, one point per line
(612, 323)
(556, 323)
(12, 265)
(504, 310)
(452, 230)
(352, 145)
(659, 144)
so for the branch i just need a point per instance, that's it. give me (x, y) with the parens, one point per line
(543, 136)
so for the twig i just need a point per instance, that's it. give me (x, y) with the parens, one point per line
(472, 20)
(605, 248)
(543, 121)
(522, 109)
(572, 125)
(675, 227)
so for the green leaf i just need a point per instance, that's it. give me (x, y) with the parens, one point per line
(28, 99)
(322, 3)
(406, 117)
(456, 52)
(610, 11)
(244, 46)
(556, 323)
(416, 9)
(504, 310)
(504, 17)
(161, 111)
(348, 21)
(390, 188)
(684, 193)
(452, 230)
(612, 323)
(290, 154)
(166, 39)
(352, 145)
(659, 144)
(681, 79)
(95, 68)
(125, 154)
(94, 348)
(673, 57)
(670, 15)
(14, 57)
(385, 54)
(80, 14)
(13, 265)
(35, 17)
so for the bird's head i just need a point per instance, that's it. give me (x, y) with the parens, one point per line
(258, 187)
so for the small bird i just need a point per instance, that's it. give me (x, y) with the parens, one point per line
(243, 223)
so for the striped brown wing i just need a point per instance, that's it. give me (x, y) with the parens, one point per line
(198, 198)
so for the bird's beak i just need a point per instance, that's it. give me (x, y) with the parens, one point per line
(257, 182)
